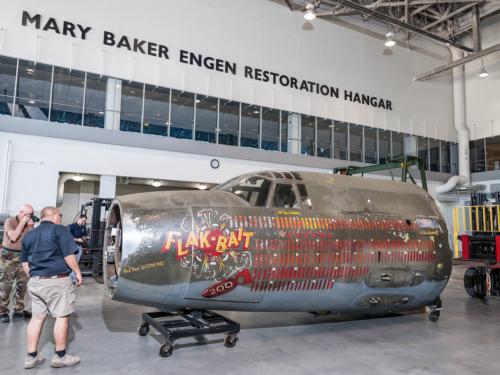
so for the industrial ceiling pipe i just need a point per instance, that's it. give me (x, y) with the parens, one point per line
(69, 176)
(460, 127)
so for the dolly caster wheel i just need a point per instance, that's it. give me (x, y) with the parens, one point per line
(143, 329)
(434, 316)
(166, 349)
(435, 311)
(230, 340)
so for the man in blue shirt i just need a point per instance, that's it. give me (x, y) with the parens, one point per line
(48, 257)
(79, 231)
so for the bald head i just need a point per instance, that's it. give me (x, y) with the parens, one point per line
(25, 210)
(51, 214)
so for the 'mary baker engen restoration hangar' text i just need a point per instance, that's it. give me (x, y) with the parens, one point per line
(145, 47)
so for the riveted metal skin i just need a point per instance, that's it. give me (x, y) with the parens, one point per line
(350, 245)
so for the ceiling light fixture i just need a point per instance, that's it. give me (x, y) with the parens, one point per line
(309, 15)
(202, 186)
(483, 73)
(156, 183)
(389, 42)
(77, 178)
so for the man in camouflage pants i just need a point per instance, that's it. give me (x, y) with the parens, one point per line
(11, 270)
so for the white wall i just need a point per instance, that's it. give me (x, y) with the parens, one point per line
(34, 164)
(483, 95)
(258, 33)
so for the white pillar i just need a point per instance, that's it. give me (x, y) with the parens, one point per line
(411, 145)
(459, 116)
(107, 186)
(294, 133)
(113, 104)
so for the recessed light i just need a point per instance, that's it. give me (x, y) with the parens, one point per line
(31, 101)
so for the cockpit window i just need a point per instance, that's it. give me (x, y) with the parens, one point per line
(254, 190)
(304, 197)
(284, 196)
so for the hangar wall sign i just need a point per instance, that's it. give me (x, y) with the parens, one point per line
(161, 51)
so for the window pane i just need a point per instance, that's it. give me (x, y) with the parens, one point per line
(254, 190)
(156, 103)
(33, 90)
(67, 96)
(340, 140)
(131, 107)
(384, 145)
(7, 83)
(307, 144)
(445, 157)
(324, 138)
(250, 123)
(370, 145)
(493, 153)
(423, 150)
(229, 122)
(206, 118)
(454, 158)
(284, 196)
(284, 131)
(356, 142)
(398, 144)
(434, 154)
(270, 129)
(477, 156)
(95, 101)
(182, 115)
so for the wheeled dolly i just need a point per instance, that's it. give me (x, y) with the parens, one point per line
(188, 323)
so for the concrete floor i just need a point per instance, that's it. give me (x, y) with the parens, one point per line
(466, 340)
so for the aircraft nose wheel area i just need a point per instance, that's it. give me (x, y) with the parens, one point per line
(188, 323)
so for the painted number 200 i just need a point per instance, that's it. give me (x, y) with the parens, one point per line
(220, 288)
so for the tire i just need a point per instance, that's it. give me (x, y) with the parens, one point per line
(166, 350)
(143, 329)
(434, 316)
(230, 341)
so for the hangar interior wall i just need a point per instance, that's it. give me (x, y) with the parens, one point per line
(259, 34)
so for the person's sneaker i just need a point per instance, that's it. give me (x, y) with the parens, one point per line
(21, 315)
(4, 318)
(66, 361)
(32, 362)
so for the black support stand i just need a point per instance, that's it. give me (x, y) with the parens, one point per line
(188, 323)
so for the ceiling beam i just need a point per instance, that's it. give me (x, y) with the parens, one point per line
(418, 2)
(450, 15)
(454, 64)
(396, 23)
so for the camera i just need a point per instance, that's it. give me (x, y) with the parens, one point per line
(35, 218)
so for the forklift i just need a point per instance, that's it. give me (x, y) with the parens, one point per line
(477, 227)
(91, 260)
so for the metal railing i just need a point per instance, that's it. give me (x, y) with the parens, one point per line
(470, 219)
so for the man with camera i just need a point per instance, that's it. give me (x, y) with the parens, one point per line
(11, 270)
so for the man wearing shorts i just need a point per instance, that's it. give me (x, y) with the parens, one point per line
(48, 257)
